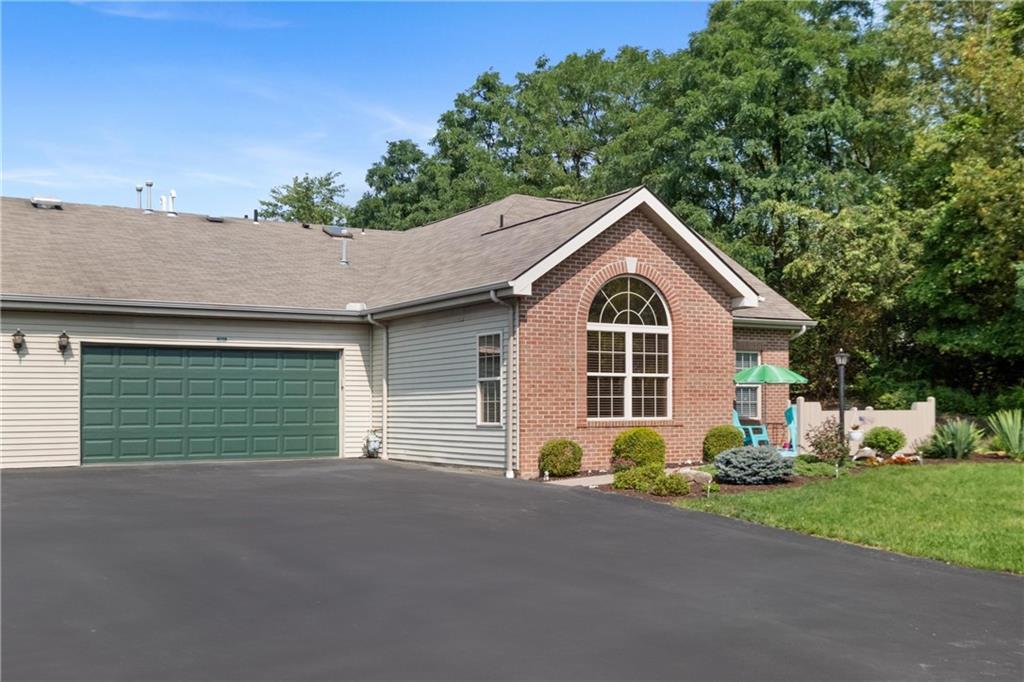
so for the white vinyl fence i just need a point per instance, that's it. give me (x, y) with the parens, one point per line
(917, 423)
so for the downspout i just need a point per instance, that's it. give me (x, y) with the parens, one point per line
(383, 390)
(509, 471)
(803, 330)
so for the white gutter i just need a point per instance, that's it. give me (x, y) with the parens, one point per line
(383, 390)
(771, 323)
(803, 330)
(439, 301)
(509, 470)
(29, 302)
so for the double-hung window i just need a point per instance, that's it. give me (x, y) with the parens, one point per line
(628, 356)
(748, 397)
(488, 379)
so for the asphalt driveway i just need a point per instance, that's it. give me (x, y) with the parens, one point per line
(361, 569)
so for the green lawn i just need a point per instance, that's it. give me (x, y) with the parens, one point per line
(970, 514)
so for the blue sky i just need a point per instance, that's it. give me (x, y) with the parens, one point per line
(223, 101)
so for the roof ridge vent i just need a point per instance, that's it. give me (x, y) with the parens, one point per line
(215, 218)
(337, 231)
(47, 202)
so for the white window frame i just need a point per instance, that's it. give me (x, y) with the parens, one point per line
(629, 330)
(756, 387)
(500, 379)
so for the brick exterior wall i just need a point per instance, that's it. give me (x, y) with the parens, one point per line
(773, 344)
(553, 351)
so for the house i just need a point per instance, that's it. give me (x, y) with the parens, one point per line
(132, 336)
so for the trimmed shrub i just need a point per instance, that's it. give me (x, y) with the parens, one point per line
(669, 484)
(955, 439)
(651, 479)
(827, 444)
(814, 469)
(561, 457)
(637, 478)
(721, 438)
(637, 448)
(752, 466)
(1008, 432)
(885, 440)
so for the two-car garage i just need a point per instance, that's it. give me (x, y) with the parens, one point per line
(156, 402)
(153, 388)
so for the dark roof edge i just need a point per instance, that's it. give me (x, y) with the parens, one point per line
(575, 205)
(584, 228)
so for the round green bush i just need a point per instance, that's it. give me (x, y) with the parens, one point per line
(885, 440)
(561, 457)
(669, 484)
(721, 438)
(638, 447)
(637, 478)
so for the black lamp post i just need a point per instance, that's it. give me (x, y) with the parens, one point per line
(841, 359)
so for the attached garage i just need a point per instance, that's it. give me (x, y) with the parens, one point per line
(163, 403)
(150, 388)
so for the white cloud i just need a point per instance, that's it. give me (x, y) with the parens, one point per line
(232, 16)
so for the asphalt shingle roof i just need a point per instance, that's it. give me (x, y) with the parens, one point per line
(123, 254)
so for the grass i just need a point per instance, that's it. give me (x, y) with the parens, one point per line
(968, 513)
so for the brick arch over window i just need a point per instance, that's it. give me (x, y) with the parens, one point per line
(625, 363)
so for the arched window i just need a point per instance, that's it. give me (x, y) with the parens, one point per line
(628, 356)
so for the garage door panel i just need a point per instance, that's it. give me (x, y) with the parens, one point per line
(173, 403)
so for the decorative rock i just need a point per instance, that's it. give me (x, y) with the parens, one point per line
(695, 476)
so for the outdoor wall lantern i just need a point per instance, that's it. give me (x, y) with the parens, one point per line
(63, 342)
(18, 339)
(841, 359)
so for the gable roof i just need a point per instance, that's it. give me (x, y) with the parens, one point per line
(108, 253)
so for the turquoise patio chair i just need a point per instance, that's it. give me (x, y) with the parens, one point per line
(791, 449)
(753, 434)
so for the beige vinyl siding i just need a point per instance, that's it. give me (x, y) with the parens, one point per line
(40, 390)
(432, 388)
(377, 375)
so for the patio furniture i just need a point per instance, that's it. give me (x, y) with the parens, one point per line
(790, 449)
(753, 434)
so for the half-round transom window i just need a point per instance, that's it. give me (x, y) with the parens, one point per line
(628, 352)
(628, 300)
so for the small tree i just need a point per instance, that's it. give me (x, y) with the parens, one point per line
(828, 445)
(309, 199)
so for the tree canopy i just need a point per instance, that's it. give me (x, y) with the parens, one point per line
(309, 199)
(867, 162)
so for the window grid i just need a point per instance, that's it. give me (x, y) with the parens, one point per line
(489, 379)
(748, 396)
(628, 363)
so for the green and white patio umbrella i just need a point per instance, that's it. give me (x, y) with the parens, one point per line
(768, 374)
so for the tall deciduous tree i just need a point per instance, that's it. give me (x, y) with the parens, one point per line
(309, 199)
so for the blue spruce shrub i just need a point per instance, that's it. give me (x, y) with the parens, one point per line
(752, 466)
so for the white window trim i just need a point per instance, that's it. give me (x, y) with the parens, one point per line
(756, 387)
(627, 393)
(500, 379)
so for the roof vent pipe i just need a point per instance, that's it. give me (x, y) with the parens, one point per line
(170, 203)
(501, 220)
(255, 215)
(149, 196)
(138, 192)
(163, 203)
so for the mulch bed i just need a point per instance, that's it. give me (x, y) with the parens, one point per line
(794, 481)
(723, 489)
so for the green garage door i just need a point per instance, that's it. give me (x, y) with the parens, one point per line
(141, 403)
